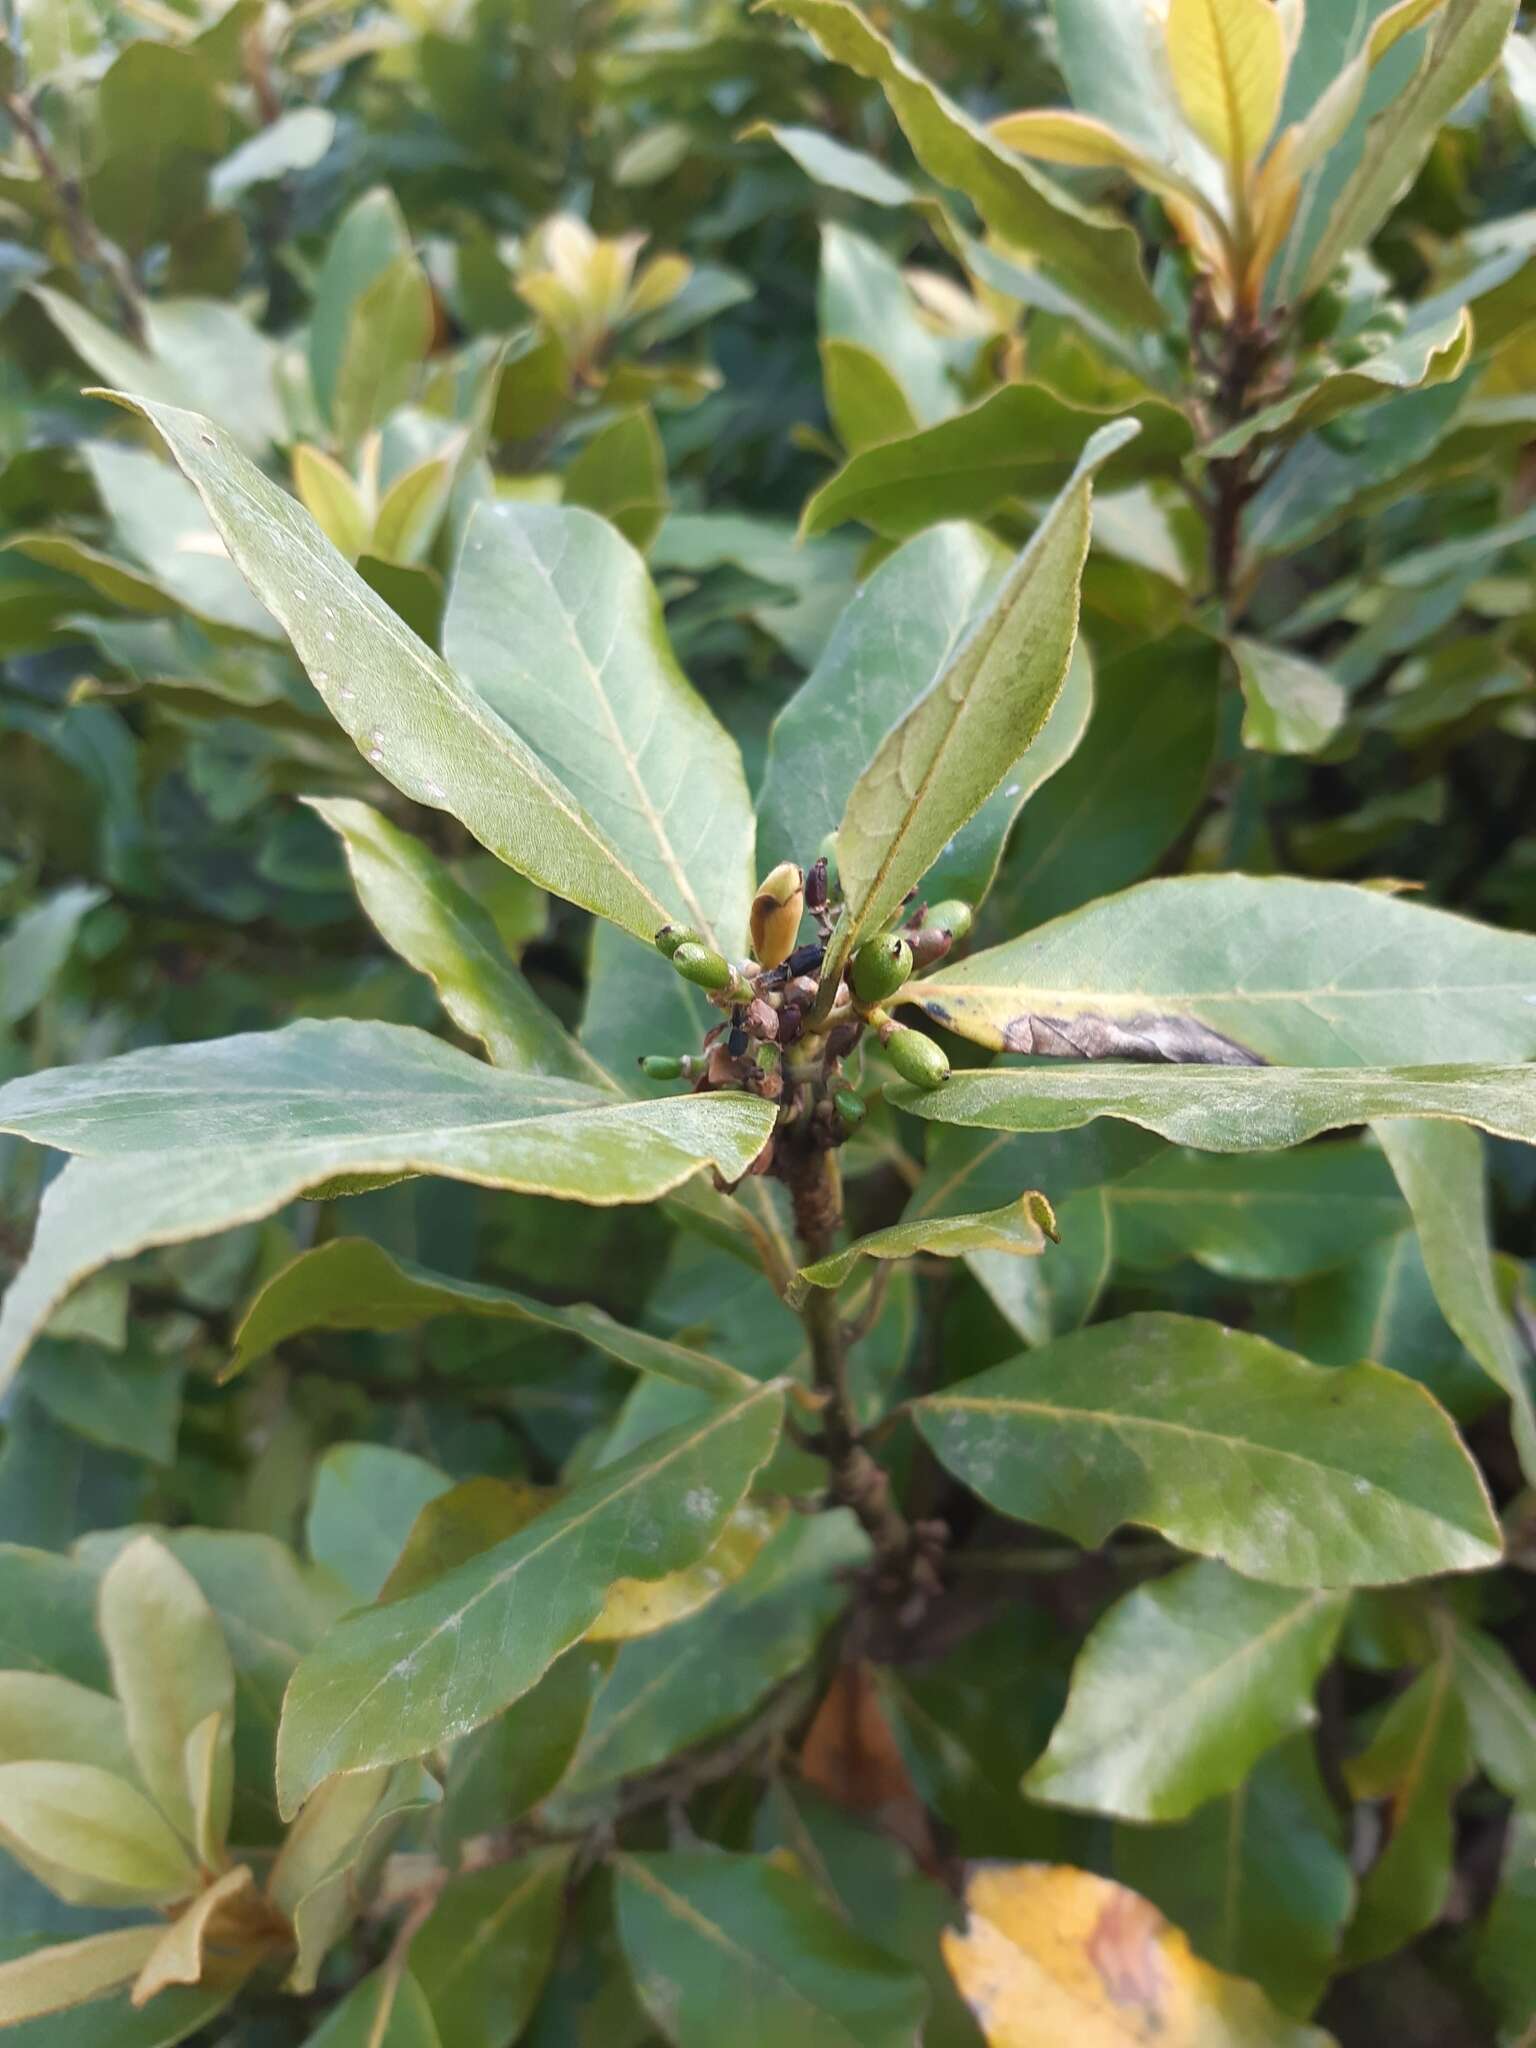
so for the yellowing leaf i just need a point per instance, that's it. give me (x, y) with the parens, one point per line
(1229, 63)
(1055, 136)
(1056, 1958)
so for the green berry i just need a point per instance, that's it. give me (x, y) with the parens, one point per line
(917, 1059)
(661, 1066)
(954, 917)
(703, 966)
(851, 1108)
(671, 936)
(879, 968)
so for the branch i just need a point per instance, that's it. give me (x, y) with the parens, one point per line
(90, 250)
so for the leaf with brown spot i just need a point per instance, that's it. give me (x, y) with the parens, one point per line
(1056, 1958)
(851, 1755)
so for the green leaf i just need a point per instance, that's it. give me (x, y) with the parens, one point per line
(621, 473)
(1257, 1216)
(670, 1691)
(1292, 706)
(1500, 1706)
(128, 1400)
(1021, 442)
(412, 509)
(50, 1979)
(114, 2023)
(1179, 1690)
(1417, 1761)
(331, 1854)
(1462, 46)
(1232, 968)
(1259, 1880)
(44, 1718)
(1440, 1171)
(833, 163)
(366, 1498)
(1221, 1108)
(1022, 1228)
(865, 403)
(389, 331)
(34, 951)
(866, 305)
(591, 679)
(428, 732)
(485, 1951)
(432, 921)
(1131, 786)
(48, 1616)
(887, 651)
(1181, 1425)
(940, 762)
(1381, 1306)
(396, 1681)
(1089, 253)
(332, 500)
(371, 236)
(708, 1933)
(350, 1283)
(170, 1668)
(515, 1762)
(91, 1837)
(387, 2010)
(295, 141)
(1504, 1956)
(165, 1121)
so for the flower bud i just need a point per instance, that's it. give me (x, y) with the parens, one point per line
(953, 917)
(671, 936)
(703, 966)
(816, 885)
(851, 1108)
(917, 1059)
(880, 966)
(661, 1066)
(776, 912)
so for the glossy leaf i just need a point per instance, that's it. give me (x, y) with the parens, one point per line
(387, 2010)
(1180, 1424)
(1083, 251)
(1180, 1689)
(483, 1955)
(43, 1716)
(1130, 787)
(1258, 1880)
(1500, 1706)
(1441, 1173)
(350, 1283)
(393, 1682)
(1292, 705)
(941, 761)
(889, 647)
(671, 1691)
(1257, 1216)
(1228, 59)
(428, 732)
(161, 1124)
(1417, 1761)
(432, 921)
(1225, 1108)
(1230, 968)
(171, 1670)
(590, 679)
(1463, 45)
(91, 1837)
(50, 1979)
(1021, 442)
(1022, 1229)
(1056, 1958)
(707, 1933)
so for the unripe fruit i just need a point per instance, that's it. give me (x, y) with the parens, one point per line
(661, 1066)
(703, 966)
(917, 1059)
(880, 966)
(851, 1108)
(776, 913)
(671, 936)
(953, 917)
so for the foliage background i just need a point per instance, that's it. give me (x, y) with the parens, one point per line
(190, 196)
